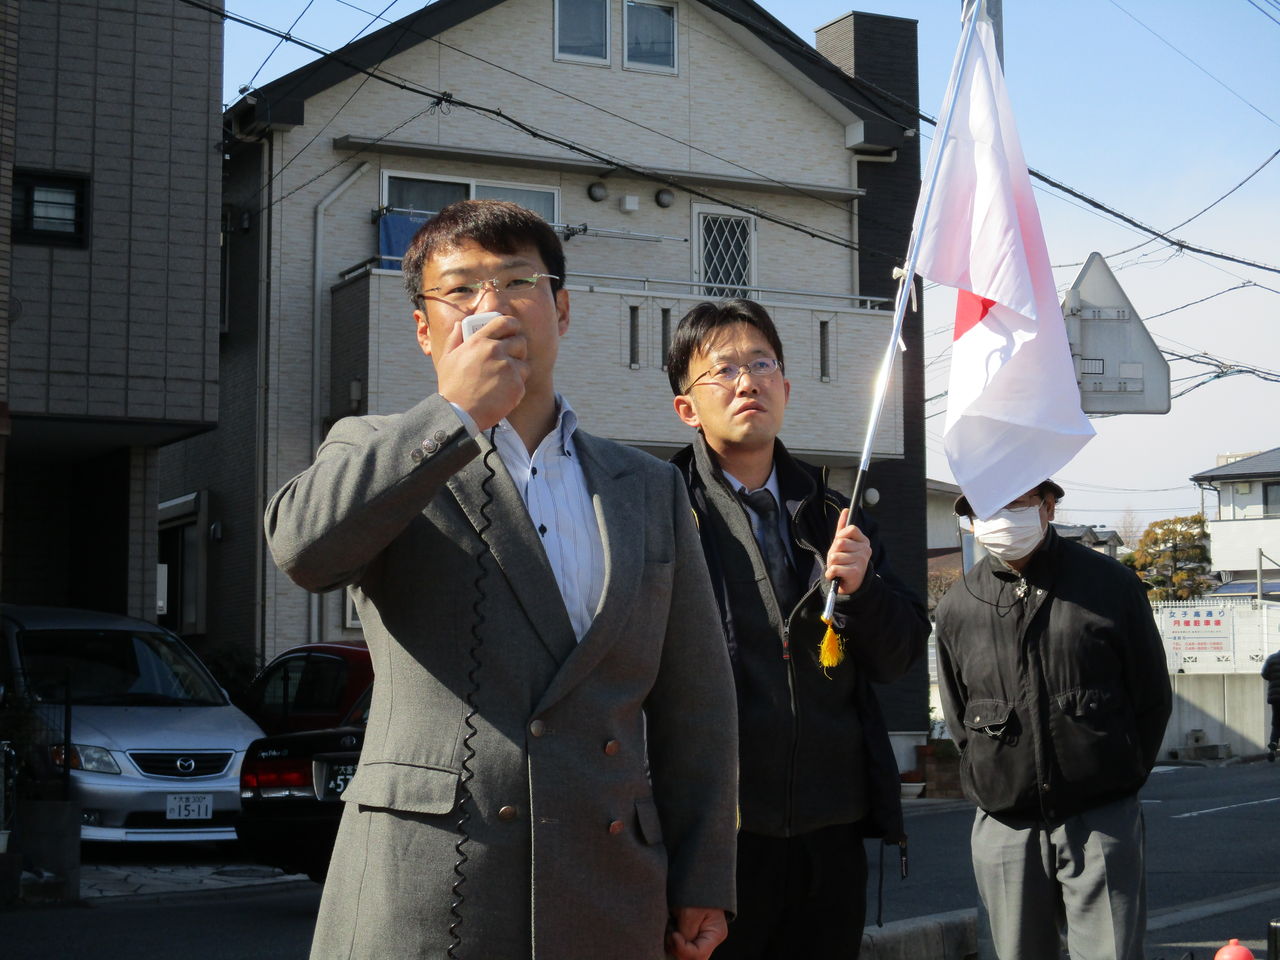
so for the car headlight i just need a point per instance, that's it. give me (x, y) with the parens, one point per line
(87, 758)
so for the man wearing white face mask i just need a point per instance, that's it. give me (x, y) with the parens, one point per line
(1055, 686)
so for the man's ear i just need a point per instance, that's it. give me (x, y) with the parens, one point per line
(562, 310)
(1051, 502)
(424, 331)
(686, 410)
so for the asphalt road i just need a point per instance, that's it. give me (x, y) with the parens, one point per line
(1213, 859)
(1213, 873)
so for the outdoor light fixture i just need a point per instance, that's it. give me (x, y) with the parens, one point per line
(597, 191)
(664, 197)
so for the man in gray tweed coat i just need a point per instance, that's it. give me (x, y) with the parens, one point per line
(600, 807)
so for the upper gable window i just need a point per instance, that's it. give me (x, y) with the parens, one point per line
(651, 35)
(582, 30)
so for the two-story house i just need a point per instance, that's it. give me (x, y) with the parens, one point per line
(1244, 538)
(685, 149)
(110, 175)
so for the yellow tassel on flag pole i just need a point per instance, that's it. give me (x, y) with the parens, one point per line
(831, 651)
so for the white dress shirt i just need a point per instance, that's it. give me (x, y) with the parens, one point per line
(554, 490)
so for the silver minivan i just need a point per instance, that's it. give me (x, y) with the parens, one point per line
(155, 746)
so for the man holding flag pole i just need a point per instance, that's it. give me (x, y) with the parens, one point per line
(1051, 670)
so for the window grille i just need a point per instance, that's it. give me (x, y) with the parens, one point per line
(726, 255)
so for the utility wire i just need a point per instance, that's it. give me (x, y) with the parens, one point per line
(1194, 216)
(1165, 313)
(442, 98)
(279, 43)
(1263, 12)
(617, 116)
(284, 166)
(815, 233)
(1194, 63)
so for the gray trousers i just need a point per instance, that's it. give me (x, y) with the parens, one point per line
(1085, 876)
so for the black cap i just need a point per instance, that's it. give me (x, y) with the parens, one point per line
(962, 508)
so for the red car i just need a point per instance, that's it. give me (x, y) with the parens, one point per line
(291, 793)
(309, 687)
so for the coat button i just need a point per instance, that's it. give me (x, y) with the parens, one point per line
(507, 813)
(616, 827)
(416, 455)
(537, 728)
(611, 748)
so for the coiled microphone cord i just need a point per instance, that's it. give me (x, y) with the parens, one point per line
(466, 801)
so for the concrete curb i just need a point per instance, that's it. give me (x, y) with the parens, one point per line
(942, 936)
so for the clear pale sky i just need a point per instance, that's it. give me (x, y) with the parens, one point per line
(1115, 112)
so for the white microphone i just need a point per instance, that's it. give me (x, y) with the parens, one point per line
(477, 320)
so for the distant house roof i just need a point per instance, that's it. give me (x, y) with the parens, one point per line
(1076, 531)
(1260, 466)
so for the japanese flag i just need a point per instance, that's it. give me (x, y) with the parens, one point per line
(1013, 408)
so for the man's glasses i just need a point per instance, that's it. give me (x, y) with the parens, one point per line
(727, 374)
(467, 295)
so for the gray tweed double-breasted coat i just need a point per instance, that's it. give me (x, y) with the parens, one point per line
(604, 771)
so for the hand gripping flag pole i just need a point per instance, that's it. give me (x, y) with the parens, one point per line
(831, 652)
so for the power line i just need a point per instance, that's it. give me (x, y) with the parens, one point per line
(1263, 12)
(813, 232)
(617, 116)
(279, 43)
(444, 97)
(1258, 169)
(1193, 63)
(284, 166)
(1165, 313)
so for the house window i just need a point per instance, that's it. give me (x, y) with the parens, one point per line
(824, 351)
(49, 208)
(651, 35)
(582, 30)
(726, 245)
(666, 335)
(411, 201)
(1271, 499)
(1093, 366)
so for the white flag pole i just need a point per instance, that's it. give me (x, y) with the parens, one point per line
(907, 277)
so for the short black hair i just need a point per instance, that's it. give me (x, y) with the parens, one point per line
(497, 225)
(696, 327)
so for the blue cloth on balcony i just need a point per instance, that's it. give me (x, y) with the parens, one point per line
(395, 230)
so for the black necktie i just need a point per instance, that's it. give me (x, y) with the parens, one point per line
(785, 587)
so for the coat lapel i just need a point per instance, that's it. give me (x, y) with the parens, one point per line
(618, 496)
(516, 548)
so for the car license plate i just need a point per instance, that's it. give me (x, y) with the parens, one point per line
(337, 778)
(189, 806)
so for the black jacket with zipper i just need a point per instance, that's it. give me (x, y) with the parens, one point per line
(813, 744)
(1055, 683)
